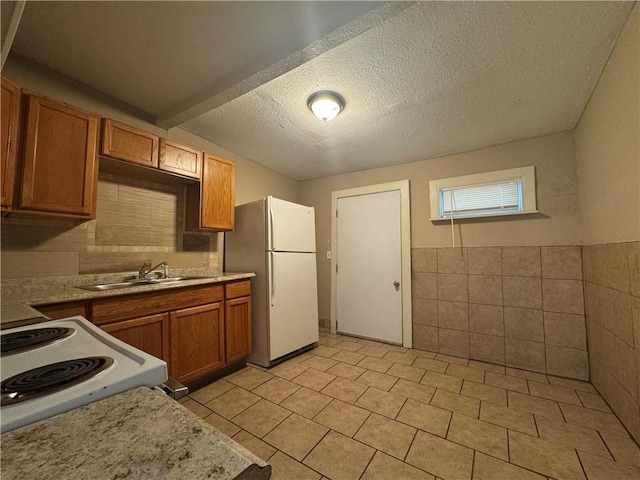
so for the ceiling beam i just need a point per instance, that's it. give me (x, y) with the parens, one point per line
(248, 79)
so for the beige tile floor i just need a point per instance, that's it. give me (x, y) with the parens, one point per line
(357, 409)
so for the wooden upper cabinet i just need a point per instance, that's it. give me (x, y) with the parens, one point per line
(10, 122)
(60, 170)
(179, 159)
(210, 204)
(127, 143)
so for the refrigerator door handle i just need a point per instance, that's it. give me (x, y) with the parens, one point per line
(273, 278)
(271, 247)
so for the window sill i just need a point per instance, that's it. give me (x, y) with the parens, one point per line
(475, 217)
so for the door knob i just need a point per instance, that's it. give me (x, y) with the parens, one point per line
(397, 285)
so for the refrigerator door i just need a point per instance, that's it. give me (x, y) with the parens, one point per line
(291, 227)
(293, 302)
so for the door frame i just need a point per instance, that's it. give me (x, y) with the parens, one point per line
(405, 228)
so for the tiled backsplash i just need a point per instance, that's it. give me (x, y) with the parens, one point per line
(612, 280)
(517, 306)
(136, 222)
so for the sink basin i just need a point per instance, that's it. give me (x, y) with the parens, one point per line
(176, 279)
(116, 285)
(138, 281)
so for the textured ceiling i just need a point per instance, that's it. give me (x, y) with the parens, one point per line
(420, 80)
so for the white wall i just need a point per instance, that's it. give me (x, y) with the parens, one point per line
(608, 147)
(556, 224)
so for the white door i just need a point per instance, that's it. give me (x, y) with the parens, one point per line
(291, 226)
(293, 302)
(369, 249)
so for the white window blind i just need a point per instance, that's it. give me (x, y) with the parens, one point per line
(497, 193)
(478, 200)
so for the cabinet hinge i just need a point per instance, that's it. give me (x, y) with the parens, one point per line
(336, 213)
(336, 268)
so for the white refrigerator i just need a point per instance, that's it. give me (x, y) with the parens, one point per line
(276, 240)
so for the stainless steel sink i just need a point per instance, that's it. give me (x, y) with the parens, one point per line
(176, 279)
(139, 281)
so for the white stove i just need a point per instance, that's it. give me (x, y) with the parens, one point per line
(53, 367)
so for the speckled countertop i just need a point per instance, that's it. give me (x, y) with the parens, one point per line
(139, 434)
(19, 295)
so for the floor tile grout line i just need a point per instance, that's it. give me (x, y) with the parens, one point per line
(300, 462)
(473, 459)
(413, 439)
(368, 463)
(606, 445)
(329, 430)
(274, 427)
(535, 422)
(584, 471)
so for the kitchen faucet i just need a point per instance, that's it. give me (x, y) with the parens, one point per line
(142, 272)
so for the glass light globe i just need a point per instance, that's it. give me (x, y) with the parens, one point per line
(326, 105)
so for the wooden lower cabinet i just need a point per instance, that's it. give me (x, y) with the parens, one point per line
(56, 311)
(237, 329)
(196, 330)
(197, 341)
(149, 334)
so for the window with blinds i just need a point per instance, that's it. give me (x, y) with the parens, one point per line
(504, 192)
(475, 200)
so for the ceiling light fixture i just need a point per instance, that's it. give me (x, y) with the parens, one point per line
(326, 105)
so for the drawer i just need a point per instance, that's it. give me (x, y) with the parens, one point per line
(56, 311)
(237, 289)
(142, 304)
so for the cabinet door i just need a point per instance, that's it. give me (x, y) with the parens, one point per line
(127, 143)
(149, 334)
(197, 341)
(210, 204)
(237, 322)
(9, 121)
(179, 159)
(60, 167)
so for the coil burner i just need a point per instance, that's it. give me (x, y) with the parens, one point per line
(25, 340)
(50, 378)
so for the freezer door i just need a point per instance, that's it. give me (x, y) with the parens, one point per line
(291, 226)
(293, 302)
